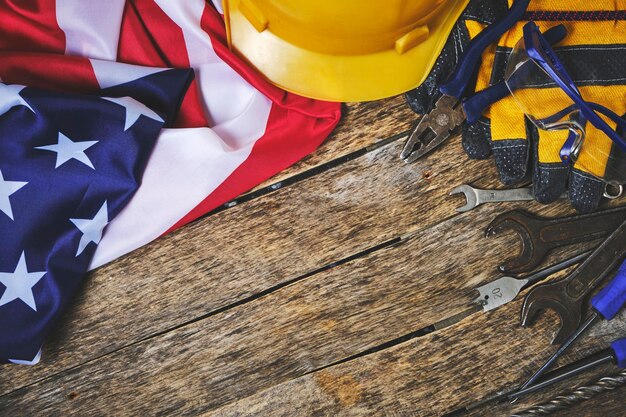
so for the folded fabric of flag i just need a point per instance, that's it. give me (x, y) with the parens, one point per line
(95, 161)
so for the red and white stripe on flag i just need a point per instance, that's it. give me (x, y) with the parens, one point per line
(234, 129)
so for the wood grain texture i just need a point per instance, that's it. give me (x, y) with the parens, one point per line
(297, 329)
(185, 326)
(428, 376)
(242, 251)
(362, 125)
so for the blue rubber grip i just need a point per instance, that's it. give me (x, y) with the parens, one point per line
(610, 300)
(475, 105)
(464, 72)
(479, 102)
(619, 348)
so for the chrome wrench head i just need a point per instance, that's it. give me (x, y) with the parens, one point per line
(471, 197)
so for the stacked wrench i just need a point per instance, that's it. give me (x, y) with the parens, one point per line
(539, 236)
(566, 296)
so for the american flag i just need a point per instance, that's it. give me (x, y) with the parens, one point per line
(69, 163)
(87, 173)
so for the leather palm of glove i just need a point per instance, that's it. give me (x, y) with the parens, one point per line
(594, 54)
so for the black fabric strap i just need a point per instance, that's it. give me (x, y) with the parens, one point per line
(586, 64)
(570, 16)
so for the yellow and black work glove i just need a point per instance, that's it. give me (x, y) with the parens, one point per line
(594, 55)
(477, 15)
(593, 52)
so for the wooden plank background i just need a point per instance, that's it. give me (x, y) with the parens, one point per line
(339, 287)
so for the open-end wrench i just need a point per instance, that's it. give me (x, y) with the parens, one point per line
(541, 235)
(476, 196)
(566, 296)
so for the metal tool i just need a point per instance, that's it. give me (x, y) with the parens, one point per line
(565, 296)
(505, 289)
(615, 354)
(539, 236)
(450, 110)
(434, 128)
(476, 196)
(606, 304)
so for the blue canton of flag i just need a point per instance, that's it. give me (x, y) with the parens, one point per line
(68, 165)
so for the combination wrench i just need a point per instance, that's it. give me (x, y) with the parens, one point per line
(476, 196)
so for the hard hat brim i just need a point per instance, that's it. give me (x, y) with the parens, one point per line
(339, 77)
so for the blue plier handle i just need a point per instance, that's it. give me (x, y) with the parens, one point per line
(451, 110)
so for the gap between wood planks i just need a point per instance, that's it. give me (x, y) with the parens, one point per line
(296, 178)
(306, 174)
(427, 330)
(448, 321)
(393, 110)
(431, 375)
(362, 253)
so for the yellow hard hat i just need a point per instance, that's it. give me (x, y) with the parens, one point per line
(341, 50)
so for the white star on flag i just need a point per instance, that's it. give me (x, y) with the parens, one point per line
(67, 149)
(91, 228)
(134, 109)
(34, 361)
(6, 189)
(19, 284)
(10, 97)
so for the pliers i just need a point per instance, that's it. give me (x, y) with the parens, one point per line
(454, 106)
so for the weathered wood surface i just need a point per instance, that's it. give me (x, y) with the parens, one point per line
(263, 238)
(431, 375)
(362, 125)
(270, 241)
(302, 327)
(232, 313)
